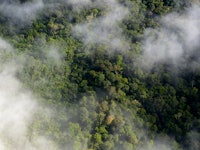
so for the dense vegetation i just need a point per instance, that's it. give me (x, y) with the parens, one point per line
(113, 103)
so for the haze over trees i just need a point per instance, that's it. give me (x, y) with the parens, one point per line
(99, 74)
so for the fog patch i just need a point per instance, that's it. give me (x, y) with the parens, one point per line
(19, 108)
(104, 29)
(176, 42)
(21, 13)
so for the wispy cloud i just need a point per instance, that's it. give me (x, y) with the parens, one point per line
(104, 29)
(21, 13)
(176, 42)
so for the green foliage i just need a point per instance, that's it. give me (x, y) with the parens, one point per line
(108, 99)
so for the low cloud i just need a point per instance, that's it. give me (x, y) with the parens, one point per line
(176, 42)
(21, 13)
(18, 107)
(194, 138)
(104, 29)
(78, 4)
(28, 121)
